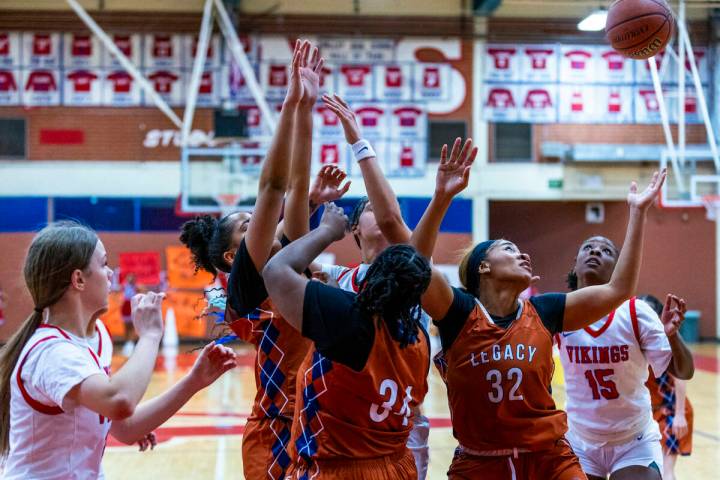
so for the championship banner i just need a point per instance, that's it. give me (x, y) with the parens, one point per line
(129, 45)
(188, 309)
(41, 87)
(326, 123)
(232, 84)
(10, 86)
(614, 104)
(577, 64)
(431, 81)
(539, 103)
(393, 82)
(81, 50)
(168, 84)
(82, 87)
(119, 89)
(501, 103)
(611, 67)
(330, 151)
(274, 78)
(163, 51)
(145, 266)
(647, 107)
(577, 103)
(407, 157)
(209, 88)
(181, 269)
(355, 82)
(10, 47)
(41, 50)
(539, 63)
(213, 55)
(408, 121)
(502, 63)
(372, 119)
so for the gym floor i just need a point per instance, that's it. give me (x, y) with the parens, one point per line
(203, 440)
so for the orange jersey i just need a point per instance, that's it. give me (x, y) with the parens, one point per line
(664, 405)
(498, 383)
(280, 351)
(358, 415)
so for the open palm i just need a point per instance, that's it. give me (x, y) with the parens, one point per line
(310, 69)
(454, 172)
(644, 199)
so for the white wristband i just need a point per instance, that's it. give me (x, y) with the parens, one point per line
(362, 150)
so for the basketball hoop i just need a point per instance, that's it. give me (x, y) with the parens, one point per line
(712, 206)
(227, 202)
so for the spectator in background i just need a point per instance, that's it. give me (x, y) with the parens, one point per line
(671, 409)
(129, 291)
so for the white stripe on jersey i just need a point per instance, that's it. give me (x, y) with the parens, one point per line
(606, 367)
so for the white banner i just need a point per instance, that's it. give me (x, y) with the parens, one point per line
(10, 49)
(82, 87)
(129, 45)
(393, 82)
(578, 104)
(501, 103)
(10, 86)
(408, 121)
(120, 89)
(41, 87)
(168, 84)
(41, 50)
(431, 81)
(539, 103)
(355, 82)
(611, 67)
(576, 63)
(163, 51)
(502, 63)
(373, 120)
(614, 104)
(213, 58)
(81, 51)
(407, 157)
(539, 63)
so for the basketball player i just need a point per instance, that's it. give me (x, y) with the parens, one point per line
(497, 350)
(129, 291)
(611, 427)
(58, 401)
(671, 408)
(376, 222)
(362, 378)
(241, 244)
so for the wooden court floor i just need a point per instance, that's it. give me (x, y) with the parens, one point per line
(203, 440)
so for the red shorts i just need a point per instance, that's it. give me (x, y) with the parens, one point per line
(559, 463)
(261, 438)
(400, 466)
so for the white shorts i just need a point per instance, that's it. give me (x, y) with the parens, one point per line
(602, 460)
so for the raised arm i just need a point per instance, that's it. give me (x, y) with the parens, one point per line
(382, 197)
(682, 366)
(586, 305)
(283, 273)
(297, 211)
(117, 397)
(275, 170)
(452, 178)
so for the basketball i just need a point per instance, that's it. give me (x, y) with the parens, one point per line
(639, 29)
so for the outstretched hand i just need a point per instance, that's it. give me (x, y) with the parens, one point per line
(643, 200)
(295, 87)
(673, 314)
(334, 220)
(346, 115)
(454, 172)
(311, 65)
(326, 187)
(213, 361)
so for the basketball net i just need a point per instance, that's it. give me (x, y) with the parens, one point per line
(712, 206)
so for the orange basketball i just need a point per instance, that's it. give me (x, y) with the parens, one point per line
(639, 29)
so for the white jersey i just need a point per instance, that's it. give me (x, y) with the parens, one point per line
(50, 436)
(606, 366)
(350, 278)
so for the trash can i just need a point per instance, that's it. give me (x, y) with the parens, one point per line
(690, 329)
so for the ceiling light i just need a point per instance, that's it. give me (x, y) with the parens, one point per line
(593, 22)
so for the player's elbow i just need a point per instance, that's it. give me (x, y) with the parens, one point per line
(273, 273)
(120, 407)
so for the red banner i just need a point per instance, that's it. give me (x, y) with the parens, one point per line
(145, 266)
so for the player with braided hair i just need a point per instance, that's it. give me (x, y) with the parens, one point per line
(362, 378)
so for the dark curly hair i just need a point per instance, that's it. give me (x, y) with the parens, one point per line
(208, 239)
(392, 289)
